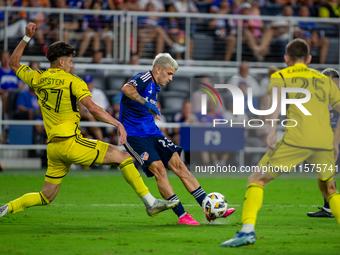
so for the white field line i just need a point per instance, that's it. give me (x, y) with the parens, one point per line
(126, 205)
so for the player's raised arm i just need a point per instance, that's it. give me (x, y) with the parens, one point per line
(14, 61)
(100, 114)
(133, 94)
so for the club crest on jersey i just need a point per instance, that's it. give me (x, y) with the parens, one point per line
(332, 115)
(145, 156)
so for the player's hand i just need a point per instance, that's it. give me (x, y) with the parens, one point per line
(122, 134)
(271, 140)
(153, 109)
(30, 29)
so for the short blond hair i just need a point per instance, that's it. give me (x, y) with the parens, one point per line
(165, 60)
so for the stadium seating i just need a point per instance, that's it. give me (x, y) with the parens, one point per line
(179, 83)
(203, 46)
(114, 84)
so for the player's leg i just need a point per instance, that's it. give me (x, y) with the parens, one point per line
(146, 151)
(31, 199)
(251, 205)
(190, 182)
(282, 159)
(325, 211)
(325, 159)
(157, 168)
(55, 172)
(328, 190)
(114, 156)
(168, 152)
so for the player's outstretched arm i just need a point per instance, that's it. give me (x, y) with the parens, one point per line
(100, 114)
(133, 94)
(14, 61)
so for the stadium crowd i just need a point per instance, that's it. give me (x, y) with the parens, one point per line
(93, 33)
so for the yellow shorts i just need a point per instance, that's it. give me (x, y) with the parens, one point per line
(286, 158)
(79, 150)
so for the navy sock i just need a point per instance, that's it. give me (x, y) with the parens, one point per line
(199, 194)
(178, 209)
(326, 205)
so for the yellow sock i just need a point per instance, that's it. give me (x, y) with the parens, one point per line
(334, 204)
(252, 203)
(133, 177)
(27, 200)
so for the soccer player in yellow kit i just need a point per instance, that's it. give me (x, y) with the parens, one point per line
(312, 139)
(58, 93)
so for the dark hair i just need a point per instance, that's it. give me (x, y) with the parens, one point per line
(58, 50)
(331, 73)
(297, 49)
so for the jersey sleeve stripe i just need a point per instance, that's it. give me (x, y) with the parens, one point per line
(84, 95)
(132, 85)
(335, 104)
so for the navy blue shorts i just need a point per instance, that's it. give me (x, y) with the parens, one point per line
(149, 149)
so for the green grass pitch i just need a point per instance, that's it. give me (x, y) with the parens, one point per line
(97, 212)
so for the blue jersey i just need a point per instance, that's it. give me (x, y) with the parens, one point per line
(136, 118)
(28, 100)
(8, 79)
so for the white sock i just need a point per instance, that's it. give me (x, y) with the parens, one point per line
(327, 210)
(148, 199)
(247, 228)
(182, 215)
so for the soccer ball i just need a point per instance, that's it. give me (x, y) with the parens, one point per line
(214, 205)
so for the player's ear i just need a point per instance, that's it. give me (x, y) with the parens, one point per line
(61, 62)
(286, 58)
(309, 59)
(158, 68)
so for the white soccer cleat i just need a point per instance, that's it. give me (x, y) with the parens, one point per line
(3, 210)
(160, 206)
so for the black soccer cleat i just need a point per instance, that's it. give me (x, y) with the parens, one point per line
(321, 214)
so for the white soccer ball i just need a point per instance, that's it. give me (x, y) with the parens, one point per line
(214, 205)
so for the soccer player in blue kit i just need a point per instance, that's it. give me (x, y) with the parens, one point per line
(145, 141)
(325, 211)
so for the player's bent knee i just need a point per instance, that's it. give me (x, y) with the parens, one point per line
(260, 178)
(182, 171)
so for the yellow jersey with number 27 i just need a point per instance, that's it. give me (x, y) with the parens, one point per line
(58, 94)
